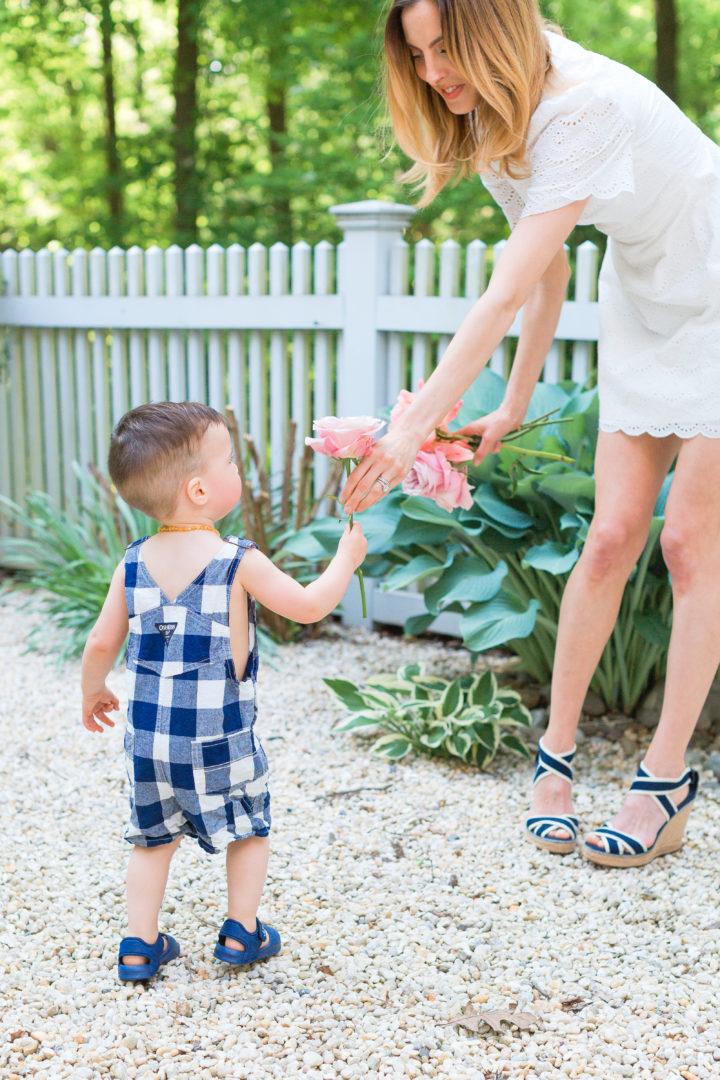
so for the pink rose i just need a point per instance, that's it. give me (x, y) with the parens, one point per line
(453, 451)
(433, 476)
(344, 436)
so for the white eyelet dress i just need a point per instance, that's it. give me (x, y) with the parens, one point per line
(654, 184)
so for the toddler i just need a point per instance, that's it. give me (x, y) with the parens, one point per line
(185, 595)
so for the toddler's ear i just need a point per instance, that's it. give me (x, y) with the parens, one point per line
(195, 491)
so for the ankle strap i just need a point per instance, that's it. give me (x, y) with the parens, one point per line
(548, 762)
(660, 787)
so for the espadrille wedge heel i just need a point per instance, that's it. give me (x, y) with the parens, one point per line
(538, 828)
(619, 849)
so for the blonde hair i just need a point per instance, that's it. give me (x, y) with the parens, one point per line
(499, 48)
(154, 449)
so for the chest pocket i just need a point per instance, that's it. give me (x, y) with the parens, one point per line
(172, 642)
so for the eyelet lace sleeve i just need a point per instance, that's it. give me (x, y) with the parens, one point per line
(582, 149)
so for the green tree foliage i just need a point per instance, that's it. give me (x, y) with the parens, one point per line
(147, 121)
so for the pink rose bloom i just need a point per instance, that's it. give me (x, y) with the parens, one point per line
(344, 436)
(433, 476)
(453, 451)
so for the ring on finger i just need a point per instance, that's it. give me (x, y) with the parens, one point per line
(383, 484)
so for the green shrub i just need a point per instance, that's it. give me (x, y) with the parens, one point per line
(71, 556)
(467, 718)
(503, 565)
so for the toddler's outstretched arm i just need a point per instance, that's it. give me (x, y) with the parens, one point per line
(103, 645)
(304, 603)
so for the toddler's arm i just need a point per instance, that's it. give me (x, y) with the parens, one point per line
(303, 603)
(103, 645)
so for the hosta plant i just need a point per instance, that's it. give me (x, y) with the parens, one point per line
(469, 717)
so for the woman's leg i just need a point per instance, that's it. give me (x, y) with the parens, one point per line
(147, 876)
(691, 546)
(629, 472)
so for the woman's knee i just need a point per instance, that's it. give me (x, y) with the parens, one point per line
(613, 546)
(684, 550)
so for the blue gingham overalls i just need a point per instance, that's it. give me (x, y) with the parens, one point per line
(194, 763)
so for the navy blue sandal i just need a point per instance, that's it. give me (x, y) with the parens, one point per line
(165, 948)
(539, 827)
(252, 940)
(615, 848)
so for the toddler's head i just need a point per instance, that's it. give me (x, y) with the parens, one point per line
(155, 448)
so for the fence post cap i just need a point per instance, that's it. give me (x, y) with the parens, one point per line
(373, 214)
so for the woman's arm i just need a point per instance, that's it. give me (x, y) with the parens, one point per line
(540, 315)
(534, 245)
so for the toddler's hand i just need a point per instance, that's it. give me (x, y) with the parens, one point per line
(95, 707)
(353, 544)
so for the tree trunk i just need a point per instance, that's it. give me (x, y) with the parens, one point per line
(276, 97)
(666, 27)
(187, 182)
(112, 155)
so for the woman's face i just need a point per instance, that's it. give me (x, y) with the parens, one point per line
(423, 34)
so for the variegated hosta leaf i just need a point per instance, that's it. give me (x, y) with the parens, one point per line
(357, 721)
(393, 747)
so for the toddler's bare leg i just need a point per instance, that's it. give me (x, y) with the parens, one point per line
(147, 876)
(246, 862)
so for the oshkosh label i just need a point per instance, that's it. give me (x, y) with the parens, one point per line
(167, 629)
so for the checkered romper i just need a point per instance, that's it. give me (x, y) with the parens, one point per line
(194, 763)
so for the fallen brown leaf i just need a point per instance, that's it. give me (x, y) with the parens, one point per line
(326, 969)
(493, 1018)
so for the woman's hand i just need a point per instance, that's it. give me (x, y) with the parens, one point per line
(390, 459)
(492, 428)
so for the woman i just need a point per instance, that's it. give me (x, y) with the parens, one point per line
(562, 136)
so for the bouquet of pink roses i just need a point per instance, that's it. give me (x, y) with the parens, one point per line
(440, 468)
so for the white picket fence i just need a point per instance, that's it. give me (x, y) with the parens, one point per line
(278, 334)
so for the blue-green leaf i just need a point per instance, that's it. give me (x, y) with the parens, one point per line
(415, 570)
(552, 557)
(502, 619)
(503, 517)
(464, 581)
(567, 488)
(418, 624)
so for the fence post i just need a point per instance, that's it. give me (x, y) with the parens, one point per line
(370, 229)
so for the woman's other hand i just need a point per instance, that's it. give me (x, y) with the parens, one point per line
(492, 428)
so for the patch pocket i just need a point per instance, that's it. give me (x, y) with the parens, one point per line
(173, 642)
(220, 764)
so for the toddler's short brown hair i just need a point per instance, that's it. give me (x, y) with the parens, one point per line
(154, 448)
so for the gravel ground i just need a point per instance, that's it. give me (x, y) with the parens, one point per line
(403, 895)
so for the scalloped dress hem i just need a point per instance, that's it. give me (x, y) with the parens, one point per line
(682, 431)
